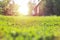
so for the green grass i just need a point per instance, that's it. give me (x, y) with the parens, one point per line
(29, 27)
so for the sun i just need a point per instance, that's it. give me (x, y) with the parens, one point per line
(23, 10)
(23, 6)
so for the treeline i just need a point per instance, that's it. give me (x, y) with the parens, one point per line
(47, 7)
(3, 4)
(50, 7)
(7, 8)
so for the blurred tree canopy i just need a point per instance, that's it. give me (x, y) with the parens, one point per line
(52, 7)
(47, 7)
(8, 9)
(3, 3)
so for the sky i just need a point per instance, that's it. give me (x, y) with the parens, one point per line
(1, 0)
(25, 2)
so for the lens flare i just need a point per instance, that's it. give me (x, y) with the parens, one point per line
(23, 6)
(23, 10)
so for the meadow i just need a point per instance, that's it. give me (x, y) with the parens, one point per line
(29, 27)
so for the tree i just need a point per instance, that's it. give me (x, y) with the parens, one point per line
(52, 7)
(49, 7)
(57, 6)
(10, 8)
(1, 7)
(42, 7)
(3, 4)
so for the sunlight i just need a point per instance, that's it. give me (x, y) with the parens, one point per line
(23, 6)
(24, 10)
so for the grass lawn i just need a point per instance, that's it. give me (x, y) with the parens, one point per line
(29, 27)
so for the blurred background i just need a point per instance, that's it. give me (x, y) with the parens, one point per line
(29, 20)
(32, 7)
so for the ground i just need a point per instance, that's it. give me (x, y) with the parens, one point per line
(29, 27)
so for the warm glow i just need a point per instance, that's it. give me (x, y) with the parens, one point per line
(24, 10)
(23, 6)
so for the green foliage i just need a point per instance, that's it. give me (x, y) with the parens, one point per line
(29, 28)
(8, 9)
(3, 4)
(1, 10)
